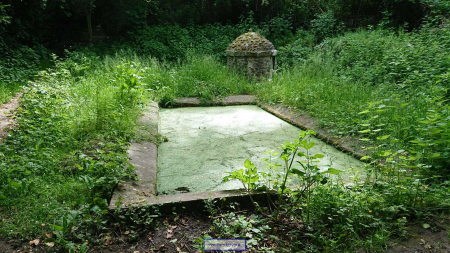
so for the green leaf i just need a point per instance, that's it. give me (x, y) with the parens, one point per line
(386, 153)
(384, 137)
(435, 155)
(310, 145)
(248, 164)
(365, 157)
(253, 171)
(317, 156)
(364, 131)
(298, 172)
(425, 225)
(15, 184)
(363, 112)
(332, 171)
(58, 228)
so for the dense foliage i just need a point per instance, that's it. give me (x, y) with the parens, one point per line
(377, 71)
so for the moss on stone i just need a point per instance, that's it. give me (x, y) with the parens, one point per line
(250, 42)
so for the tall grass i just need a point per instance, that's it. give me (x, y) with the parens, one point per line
(8, 90)
(373, 84)
(69, 150)
(205, 77)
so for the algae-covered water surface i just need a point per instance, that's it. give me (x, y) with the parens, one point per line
(206, 142)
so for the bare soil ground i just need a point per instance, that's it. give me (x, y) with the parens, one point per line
(178, 234)
(419, 239)
(6, 115)
(173, 235)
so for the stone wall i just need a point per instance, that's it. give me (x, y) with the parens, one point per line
(252, 66)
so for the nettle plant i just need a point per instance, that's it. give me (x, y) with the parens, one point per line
(404, 161)
(129, 75)
(298, 161)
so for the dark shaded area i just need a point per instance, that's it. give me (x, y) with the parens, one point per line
(59, 24)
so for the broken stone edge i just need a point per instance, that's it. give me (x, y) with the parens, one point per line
(195, 200)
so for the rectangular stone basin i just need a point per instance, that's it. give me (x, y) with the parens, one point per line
(203, 143)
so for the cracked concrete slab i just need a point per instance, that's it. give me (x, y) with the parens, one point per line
(206, 142)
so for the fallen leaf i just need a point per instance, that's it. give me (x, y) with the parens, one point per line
(178, 249)
(49, 235)
(150, 239)
(126, 232)
(108, 242)
(50, 244)
(169, 236)
(35, 242)
(43, 224)
(169, 231)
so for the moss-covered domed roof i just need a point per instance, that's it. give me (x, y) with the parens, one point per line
(250, 42)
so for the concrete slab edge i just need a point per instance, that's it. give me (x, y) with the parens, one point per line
(225, 101)
(293, 118)
(143, 156)
(193, 201)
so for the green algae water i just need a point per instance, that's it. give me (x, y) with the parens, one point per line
(205, 142)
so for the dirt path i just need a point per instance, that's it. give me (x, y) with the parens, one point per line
(418, 239)
(6, 111)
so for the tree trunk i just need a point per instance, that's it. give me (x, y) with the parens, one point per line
(89, 24)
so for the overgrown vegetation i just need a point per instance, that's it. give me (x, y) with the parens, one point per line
(386, 83)
(325, 213)
(389, 89)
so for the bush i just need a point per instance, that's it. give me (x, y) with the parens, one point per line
(389, 89)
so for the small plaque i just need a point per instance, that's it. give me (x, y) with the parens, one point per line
(225, 245)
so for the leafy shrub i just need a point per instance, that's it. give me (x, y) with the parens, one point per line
(279, 31)
(163, 42)
(373, 84)
(405, 60)
(324, 25)
(173, 42)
